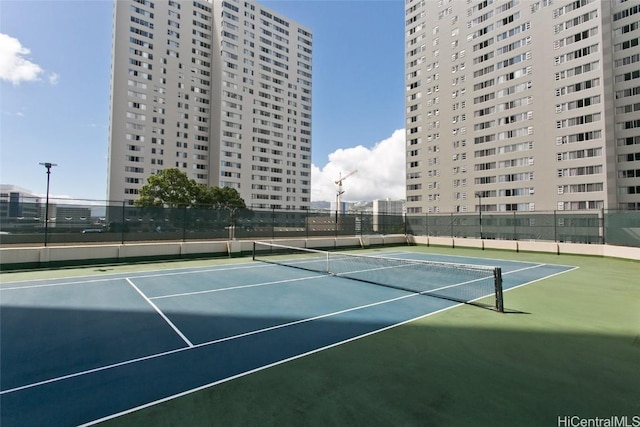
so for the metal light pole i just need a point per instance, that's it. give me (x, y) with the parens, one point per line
(46, 209)
(479, 196)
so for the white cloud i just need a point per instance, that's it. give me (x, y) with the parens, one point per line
(19, 114)
(54, 78)
(14, 66)
(380, 172)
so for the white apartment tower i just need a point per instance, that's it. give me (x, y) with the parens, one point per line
(522, 105)
(218, 89)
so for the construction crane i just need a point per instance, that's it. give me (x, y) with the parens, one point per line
(340, 190)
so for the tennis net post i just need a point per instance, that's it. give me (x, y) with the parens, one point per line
(498, 285)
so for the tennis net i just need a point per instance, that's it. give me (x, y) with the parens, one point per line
(472, 284)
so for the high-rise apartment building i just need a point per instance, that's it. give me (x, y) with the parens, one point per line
(218, 89)
(522, 105)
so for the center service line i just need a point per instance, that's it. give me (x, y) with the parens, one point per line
(155, 307)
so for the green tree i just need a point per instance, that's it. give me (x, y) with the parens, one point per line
(226, 203)
(169, 188)
(172, 188)
(221, 197)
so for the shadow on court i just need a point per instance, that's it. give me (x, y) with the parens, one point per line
(75, 366)
(573, 354)
(415, 375)
(426, 375)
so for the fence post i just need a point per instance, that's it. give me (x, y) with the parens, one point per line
(426, 224)
(515, 231)
(451, 225)
(273, 223)
(306, 224)
(404, 223)
(123, 224)
(603, 240)
(184, 223)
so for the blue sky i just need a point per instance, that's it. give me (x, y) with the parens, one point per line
(59, 112)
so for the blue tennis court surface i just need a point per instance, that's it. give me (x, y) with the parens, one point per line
(81, 350)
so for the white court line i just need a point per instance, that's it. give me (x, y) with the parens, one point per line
(245, 334)
(280, 362)
(208, 270)
(48, 285)
(284, 325)
(201, 269)
(481, 258)
(320, 276)
(231, 288)
(524, 268)
(541, 278)
(122, 276)
(166, 319)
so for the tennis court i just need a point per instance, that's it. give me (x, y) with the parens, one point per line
(84, 349)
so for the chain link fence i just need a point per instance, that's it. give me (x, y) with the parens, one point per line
(77, 222)
(554, 226)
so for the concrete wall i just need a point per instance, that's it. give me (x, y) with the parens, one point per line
(51, 256)
(527, 246)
